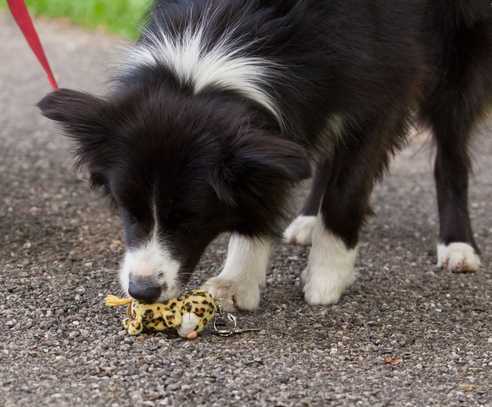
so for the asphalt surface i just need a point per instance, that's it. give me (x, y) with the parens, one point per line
(404, 335)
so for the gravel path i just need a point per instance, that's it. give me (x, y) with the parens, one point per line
(404, 335)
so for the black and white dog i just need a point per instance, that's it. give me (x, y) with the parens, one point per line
(223, 106)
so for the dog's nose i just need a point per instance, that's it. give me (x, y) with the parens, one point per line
(144, 290)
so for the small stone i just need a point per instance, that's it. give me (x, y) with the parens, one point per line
(84, 332)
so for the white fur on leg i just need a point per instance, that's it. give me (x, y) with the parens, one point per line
(300, 231)
(457, 258)
(330, 270)
(244, 273)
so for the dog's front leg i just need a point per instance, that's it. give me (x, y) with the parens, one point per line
(243, 275)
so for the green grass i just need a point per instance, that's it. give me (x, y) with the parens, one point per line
(121, 17)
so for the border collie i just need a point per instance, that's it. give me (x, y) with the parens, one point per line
(222, 106)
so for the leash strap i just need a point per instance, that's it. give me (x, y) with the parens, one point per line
(21, 16)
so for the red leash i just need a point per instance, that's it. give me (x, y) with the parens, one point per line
(21, 15)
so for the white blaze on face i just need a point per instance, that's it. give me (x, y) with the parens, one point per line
(152, 260)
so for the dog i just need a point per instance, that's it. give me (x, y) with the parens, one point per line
(223, 106)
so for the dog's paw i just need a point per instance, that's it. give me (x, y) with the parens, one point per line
(234, 294)
(330, 269)
(300, 231)
(458, 258)
(325, 287)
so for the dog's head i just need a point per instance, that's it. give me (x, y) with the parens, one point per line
(180, 170)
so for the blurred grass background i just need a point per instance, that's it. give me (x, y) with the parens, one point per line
(122, 17)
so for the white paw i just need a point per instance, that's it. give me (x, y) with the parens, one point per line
(330, 269)
(458, 258)
(234, 294)
(300, 231)
(322, 287)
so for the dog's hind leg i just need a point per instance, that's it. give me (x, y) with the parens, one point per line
(301, 229)
(453, 109)
(456, 250)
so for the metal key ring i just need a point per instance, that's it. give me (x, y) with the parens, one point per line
(225, 324)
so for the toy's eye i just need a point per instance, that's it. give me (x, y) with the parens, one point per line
(160, 275)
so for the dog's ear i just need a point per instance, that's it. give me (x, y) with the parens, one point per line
(259, 166)
(78, 112)
(84, 117)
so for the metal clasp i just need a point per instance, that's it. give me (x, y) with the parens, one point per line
(225, 324)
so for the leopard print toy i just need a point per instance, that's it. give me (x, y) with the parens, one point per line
(188, 314)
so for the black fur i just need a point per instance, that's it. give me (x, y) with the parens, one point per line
(217, 161)
(208, 174)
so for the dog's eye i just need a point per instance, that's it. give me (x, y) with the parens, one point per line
(99, 180)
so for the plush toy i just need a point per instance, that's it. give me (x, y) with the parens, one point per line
(188, 314)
